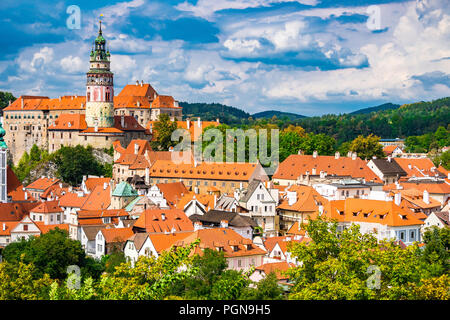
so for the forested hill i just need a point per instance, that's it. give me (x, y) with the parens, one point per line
(279, 114)
(212, 111)
(386, 106)
(407, 120)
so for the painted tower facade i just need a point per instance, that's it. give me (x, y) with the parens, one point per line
(3, 169)
(100, 86)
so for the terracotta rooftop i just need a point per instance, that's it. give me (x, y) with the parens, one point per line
(69, 121)
(161, 221)
(48, 207)
(296, 165)
(116, 234)
(42, 183)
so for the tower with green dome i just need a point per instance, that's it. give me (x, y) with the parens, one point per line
(3, 168)
(100, 86)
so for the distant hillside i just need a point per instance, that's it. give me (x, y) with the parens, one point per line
(385, 106)
(407, 120)
(212, 111)
(279, 114)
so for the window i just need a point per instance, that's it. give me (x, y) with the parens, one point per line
(239, 263)
(25, 227)
(412, 235)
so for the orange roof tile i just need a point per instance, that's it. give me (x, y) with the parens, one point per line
(173, 192)
(42, 183)
(160, 221)
(131, 102)
(144, 90)
(221, 237)
(72, 199)
(163, 242)
(116, 234)
(279, 268)
(416, 167)
(370, 211)
(98, 199)
(47, 207)
(296, 165)
(92, 182)
(69, 121)
(165, 102)
(207, 200)
(308, 199)
(10, 211)
(91, 214)
(15, 187)
(8, 226)
(46, 228)
(237, 171)
(129, 123)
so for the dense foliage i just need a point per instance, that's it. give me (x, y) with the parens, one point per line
(5, 99)
(71, 163)
(334, 266)
(351, 265)
(163, 130)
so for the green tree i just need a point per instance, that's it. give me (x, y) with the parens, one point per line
(74, 162)
(436, 255)
(5, 98)
(50, 253)
(367, 147)
(266, 289)
(163, 130)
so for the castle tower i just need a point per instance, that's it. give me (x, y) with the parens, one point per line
(3, 168)
(100, 86)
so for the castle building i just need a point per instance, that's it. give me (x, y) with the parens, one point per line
(98, 119)
(3, 168)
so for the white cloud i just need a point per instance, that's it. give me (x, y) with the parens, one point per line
(73, 64)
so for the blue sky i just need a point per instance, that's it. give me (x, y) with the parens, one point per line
(310, 57)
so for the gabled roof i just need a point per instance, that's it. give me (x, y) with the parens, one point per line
(48, 207)
(308, 199)
(129, 123)
(92, 182)
(369, 211)
(163, 242)
(389, 167)
(116, 234)
(42, 183)
(72, 199)
(99, 198)
(173, 192)
(131, 102)
(279, 268)
(216, 216)
(15, 187)
(165, 102)
(416, 167)
(47, 227)
(237, 171)
(160, 221)
(29, 103)
(91, 231)
(444, 217)
(138, 90)
(224, 238)
(296, 165)
(250, 190)
(8, 225)
(10, 211)
(207, 200)
(69, 121)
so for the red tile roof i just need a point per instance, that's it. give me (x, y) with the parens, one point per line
(116, 234)
(42, 183)
(308, 199)
(296, 165)
(416, 167)
(71, 199)
(69, 121)
(165, 102)
(15, 187)
(15, 211)
(92, 182)
(98, 199)
(46, 228)
(160, 221)
(48, 207)
(144, 90)
(173, 192)
(279, 268)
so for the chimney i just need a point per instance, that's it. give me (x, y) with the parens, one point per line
(137, 82)
(349, 154)
(337, 155)
(26, 195)
(4, 226)
(199, 122)
(397, 198)
(105, 185)
(217, 120)
(198, 225)
(300, 152)
(21, 102)
(354, 155)
(389, 159)
(188, 123)
(409, 166)
(223, 223)
(136, 148)
(151, 128)
(315, 154)
(215, 200)
(313, 171)
(292, 197)
(96, 127)
(142, 83)
(147, 176)
(426, 197)
(9, 102)
(163, 216)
